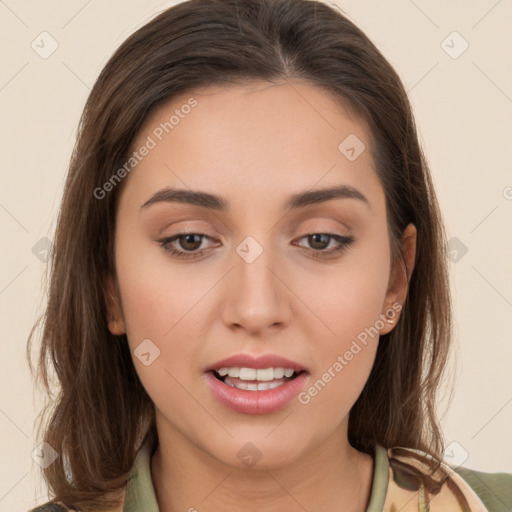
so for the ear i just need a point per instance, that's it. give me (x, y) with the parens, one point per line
(115, 318)
(400, 276)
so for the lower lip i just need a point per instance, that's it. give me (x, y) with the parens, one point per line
(256, 402)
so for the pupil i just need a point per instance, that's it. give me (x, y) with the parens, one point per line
(188, 240)
(317, 240)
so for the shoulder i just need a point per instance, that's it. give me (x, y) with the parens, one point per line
(412, 485)
(54, 506)
(494, 489)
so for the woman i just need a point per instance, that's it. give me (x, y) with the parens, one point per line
(249, 301)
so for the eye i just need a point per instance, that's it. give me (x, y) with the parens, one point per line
(320, 241)
(190, 242)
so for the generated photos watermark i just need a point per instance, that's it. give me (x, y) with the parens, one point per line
(157, 135)
(343, 360)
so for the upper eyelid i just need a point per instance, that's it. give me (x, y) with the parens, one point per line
(319, 214)
(346, 229)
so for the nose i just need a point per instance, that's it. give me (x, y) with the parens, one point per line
(256, 298)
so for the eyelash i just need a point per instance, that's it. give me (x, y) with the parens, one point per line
(345, 242)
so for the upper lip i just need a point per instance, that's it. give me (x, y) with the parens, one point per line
(256, 362)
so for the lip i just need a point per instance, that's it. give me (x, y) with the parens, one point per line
(259, 362)
(256, 402)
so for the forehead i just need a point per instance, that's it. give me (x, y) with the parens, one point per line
(256, 140)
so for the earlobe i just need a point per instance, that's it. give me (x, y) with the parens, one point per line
(114, 312)
(115, 328)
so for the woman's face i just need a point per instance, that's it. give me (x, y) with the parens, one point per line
(257, 283)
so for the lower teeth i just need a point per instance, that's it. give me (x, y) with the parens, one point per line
(260, 386)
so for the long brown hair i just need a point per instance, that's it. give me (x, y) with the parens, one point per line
(101, 413)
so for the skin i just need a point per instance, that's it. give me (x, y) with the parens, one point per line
(255, 145)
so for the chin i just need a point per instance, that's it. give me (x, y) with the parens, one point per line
(254, 452)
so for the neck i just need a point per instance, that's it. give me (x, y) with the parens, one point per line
(330, 477)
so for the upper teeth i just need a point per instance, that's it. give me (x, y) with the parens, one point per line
(256, 374)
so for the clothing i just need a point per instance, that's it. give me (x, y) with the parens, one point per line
(395, 486)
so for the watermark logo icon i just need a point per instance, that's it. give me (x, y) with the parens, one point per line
(455, 454)
(42, 249)
(44, 45)
(351, 147)
(146, 352)
(44, 455)
(249, 249)
(249, 455)
(454, 45)
(456, 249)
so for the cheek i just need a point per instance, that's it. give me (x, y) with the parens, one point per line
(332, 392)
(344, 354)
(158, 296)
(348, 298)
(160, 307)
(164, 302)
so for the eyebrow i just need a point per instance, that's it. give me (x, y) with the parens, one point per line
(218, 203)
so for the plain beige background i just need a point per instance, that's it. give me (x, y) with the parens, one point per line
(463, 106)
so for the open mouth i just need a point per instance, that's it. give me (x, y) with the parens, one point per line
(249, 390)
(254, 384)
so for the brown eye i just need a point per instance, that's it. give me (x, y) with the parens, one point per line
(190, 242)
(318, 242)
(184, 245)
